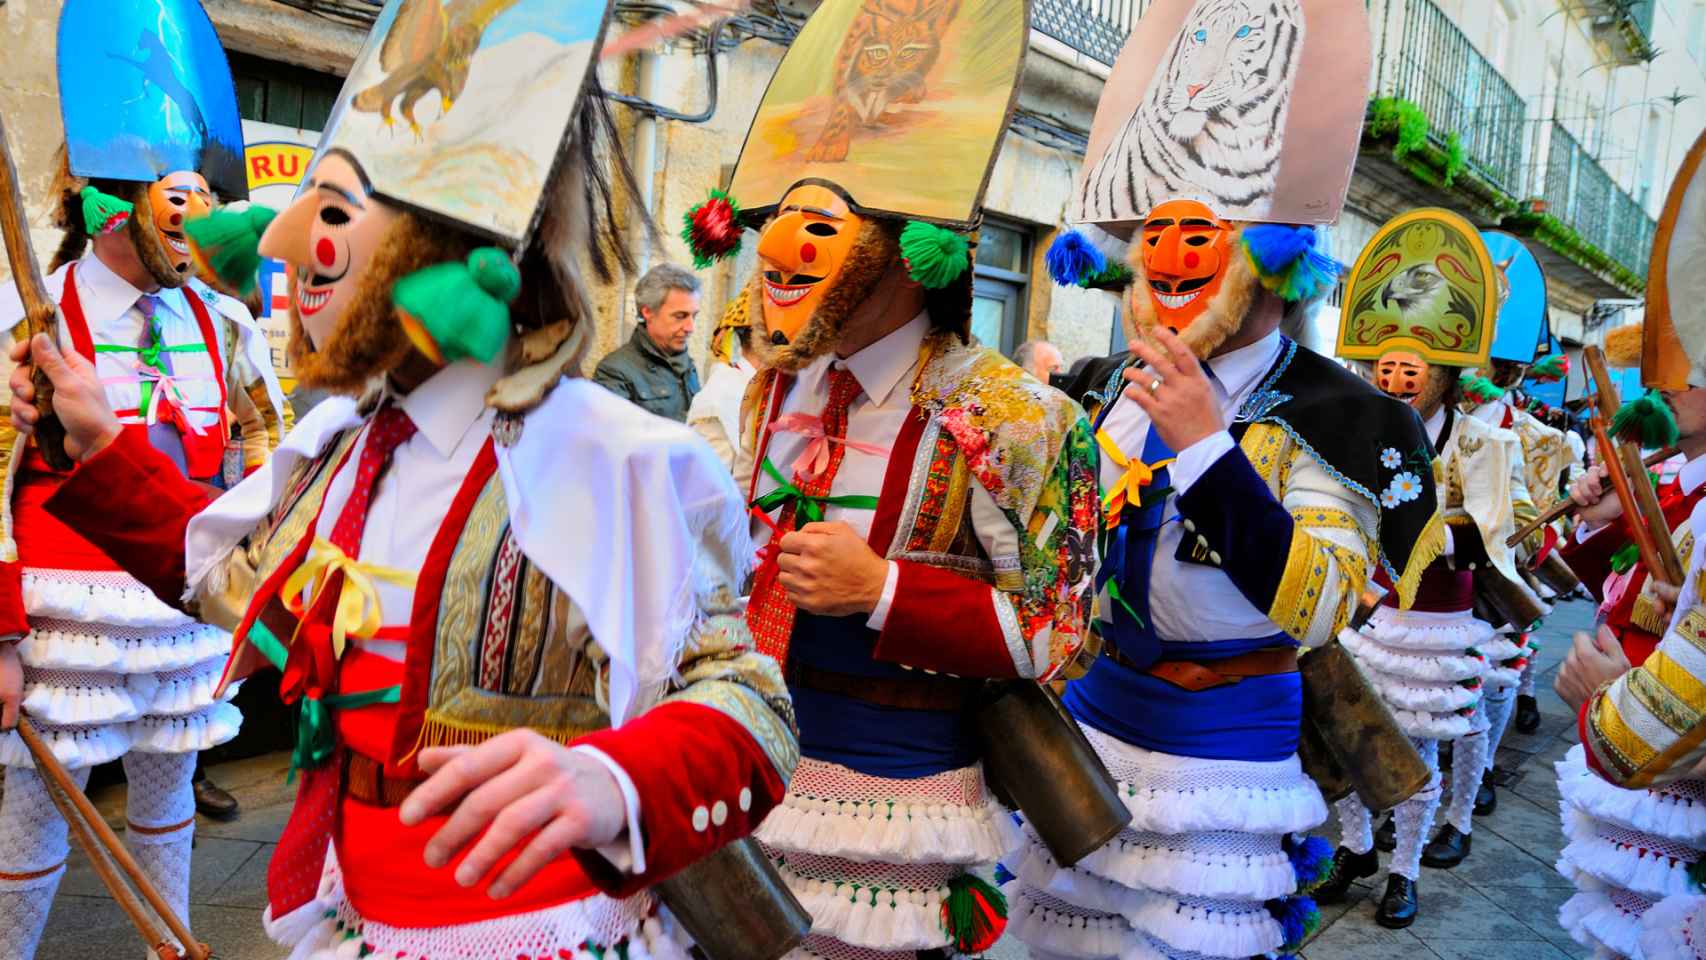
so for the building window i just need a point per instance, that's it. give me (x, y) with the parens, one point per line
(1001, 278)
(290, 96)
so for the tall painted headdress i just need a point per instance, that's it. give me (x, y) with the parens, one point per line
(144, 90)
(1673, 341)
(1522, 333)
(1226, 133)
(882, 113)
(1425, 284)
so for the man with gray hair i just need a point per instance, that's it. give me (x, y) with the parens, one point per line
(653, 369)
(1039, 358)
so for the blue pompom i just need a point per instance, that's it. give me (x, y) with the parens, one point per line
(1298, 918)
(1072, 257)
(1286, 258)
(1311, 859)
(1276, 246)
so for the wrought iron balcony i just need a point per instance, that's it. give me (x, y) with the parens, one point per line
(1423, 59)
(1095, 28)
(1626, 28)
(1581, 195)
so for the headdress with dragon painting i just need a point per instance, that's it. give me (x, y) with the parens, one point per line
(873, 144)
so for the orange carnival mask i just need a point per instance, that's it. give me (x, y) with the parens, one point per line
(1186, 249)
(799, 255)
(1408, 376)
(172, 199)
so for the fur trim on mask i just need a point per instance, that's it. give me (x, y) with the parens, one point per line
(368, 341)
(1440, 388)
(1623, 346)
(875, 250)
(1226, 312)
(68, 215)
(149, 248)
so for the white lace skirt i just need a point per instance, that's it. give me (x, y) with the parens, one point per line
(1428, 667)
(1628, 854)
(871, 858)
(1191, 876)
(108, 669)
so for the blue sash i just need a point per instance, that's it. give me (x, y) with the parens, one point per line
(875, 740)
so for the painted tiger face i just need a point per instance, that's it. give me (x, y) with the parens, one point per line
(1225, 56)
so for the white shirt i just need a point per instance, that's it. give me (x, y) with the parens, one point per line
(715, 411)
(1191, 601)
(885, 370)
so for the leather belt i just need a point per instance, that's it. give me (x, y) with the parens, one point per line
(918, 691)
(365, 782)
(1195, 676)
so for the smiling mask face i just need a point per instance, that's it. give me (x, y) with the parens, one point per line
(800, 256)
(1185, 250)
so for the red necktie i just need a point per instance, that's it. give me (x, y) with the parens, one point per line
(293, 875)
(769, 615)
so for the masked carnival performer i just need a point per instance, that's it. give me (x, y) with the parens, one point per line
(1250, 488)
(1634, 790)
(1424, 278)
(107, 670)
(485, 567)
(927, 510)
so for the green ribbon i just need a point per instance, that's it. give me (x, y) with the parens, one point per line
(151, 356)
(1114, 595)
(807, 508)
(316, 736)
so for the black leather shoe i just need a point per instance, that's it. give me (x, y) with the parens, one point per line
(1527, 714)
(1486, 797)
(1398, 907)
(1347, 867)
(1447, 849)
(213, 802)
(1386, 838)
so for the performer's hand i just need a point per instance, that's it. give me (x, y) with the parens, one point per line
(1593, 505)
(828, 569)
(1665, 596)
(1184, 407)
(11, 685)
(78, 398)
(1595, 659)
(515, 786)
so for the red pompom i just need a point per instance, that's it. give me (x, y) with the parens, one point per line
(712, 229)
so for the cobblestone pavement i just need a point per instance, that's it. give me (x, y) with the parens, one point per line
(1500, 904)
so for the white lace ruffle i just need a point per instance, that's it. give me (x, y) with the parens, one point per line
(1052, 928)
(1674, 929)
(189, 690)
(75, 747)
(878, 917)
(1592, 920)
(1434, 668)
(1421, 631)
(1405, 694)
(191, 733)
(1191, 866)
(1630, 866)
(56, 645)
(1169, 794)
(106, 597)
(1433, 726)
(883, 829)
(1225, 929)
(1037, 869)
(67, 698)
(1666, 813)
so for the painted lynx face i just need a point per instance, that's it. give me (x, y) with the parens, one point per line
(899, 42)
(1225, 54)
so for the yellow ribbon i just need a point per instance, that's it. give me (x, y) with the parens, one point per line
(1129, 487)
(358, 614)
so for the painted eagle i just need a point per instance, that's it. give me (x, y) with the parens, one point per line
(429, 47)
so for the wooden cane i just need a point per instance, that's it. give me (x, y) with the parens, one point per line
(1629, 478)
(41, 314)
(1568, 507)
(99, 843)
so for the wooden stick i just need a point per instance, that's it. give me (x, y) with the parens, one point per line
(1567, 507)
(41, 314)
(1629, 478)
(52, 770)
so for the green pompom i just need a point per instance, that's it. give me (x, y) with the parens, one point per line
(103, 212)
(226, 243)
(935, 256)
(1647, 420)
(1113, 277)
(1480, 389)
(463, 308)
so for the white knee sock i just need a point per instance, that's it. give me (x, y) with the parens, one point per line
(33, 848)
(1500, 704)
(1356, 825)
(1468, 766)
(1415, 817)
(160, 811)
(1525, 686)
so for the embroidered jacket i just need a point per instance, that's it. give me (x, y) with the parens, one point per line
(1633, 614)
(499, 638)
(1486, 494)
(1018, 605)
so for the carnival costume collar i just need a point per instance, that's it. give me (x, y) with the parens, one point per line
(448, 404)
(883, 365)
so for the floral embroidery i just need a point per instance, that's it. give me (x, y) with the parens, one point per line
(1406, 487)
(1391, 459)
(1388, 499)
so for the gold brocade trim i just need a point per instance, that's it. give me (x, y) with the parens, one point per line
(456, 646)
(440, 731)
(1264, 446)
(747, 707)
(1669, 691)
(1619, 744)
(953, 504)
(531, 634)
(1300, 586)
(1645, 614)
(1426, 550)
(290, 530)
